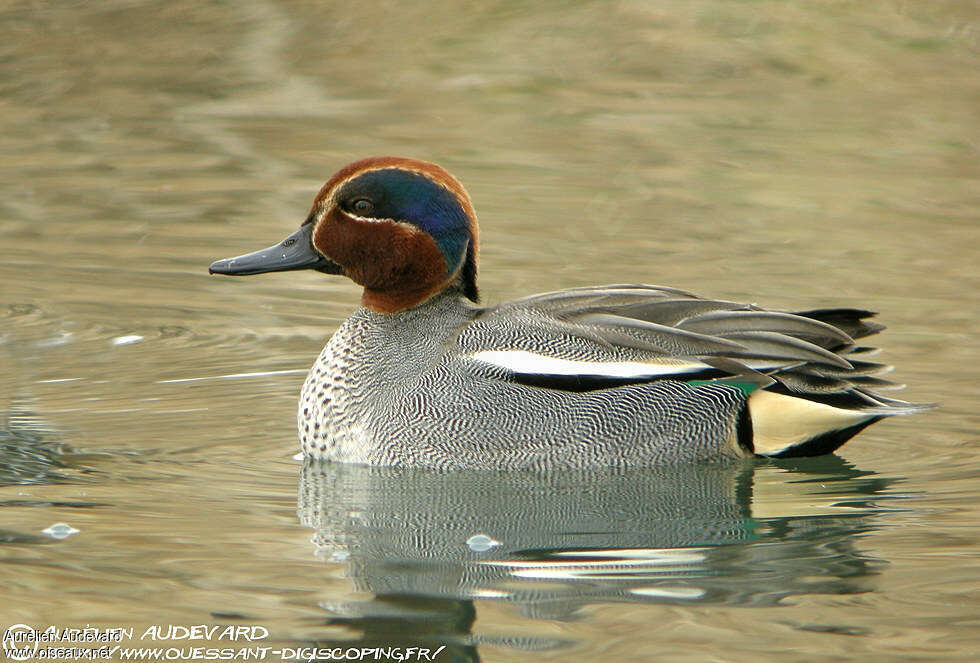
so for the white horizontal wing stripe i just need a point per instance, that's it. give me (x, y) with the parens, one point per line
(521, 361)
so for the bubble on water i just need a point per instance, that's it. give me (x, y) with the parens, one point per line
(126, 340)
(481, 543)
(61, 531)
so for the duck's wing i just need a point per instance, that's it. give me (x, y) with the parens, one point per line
(600, 337)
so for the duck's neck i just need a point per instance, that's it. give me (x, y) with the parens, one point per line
(395, 301)
(391, 300)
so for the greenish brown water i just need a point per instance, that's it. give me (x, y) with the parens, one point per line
(792, 154)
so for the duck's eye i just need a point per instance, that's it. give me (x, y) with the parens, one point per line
(362, 206)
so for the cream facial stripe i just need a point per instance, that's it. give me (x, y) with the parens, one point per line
(428, 176)
(368, 219)
(521, 361)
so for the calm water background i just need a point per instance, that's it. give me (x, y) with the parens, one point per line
(793, 154)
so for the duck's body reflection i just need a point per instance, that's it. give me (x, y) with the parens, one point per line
(427, 544)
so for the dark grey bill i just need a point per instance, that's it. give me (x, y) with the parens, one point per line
(294, 252)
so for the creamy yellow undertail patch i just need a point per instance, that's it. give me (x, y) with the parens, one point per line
(780, 422)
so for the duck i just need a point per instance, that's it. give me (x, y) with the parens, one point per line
(625, 375)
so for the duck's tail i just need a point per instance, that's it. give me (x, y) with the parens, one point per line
(813, 409)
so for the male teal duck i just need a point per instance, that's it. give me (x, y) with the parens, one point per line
(617, 375)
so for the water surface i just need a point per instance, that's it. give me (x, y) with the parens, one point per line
(789, 154)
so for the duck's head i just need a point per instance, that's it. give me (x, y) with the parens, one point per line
(404, 229)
